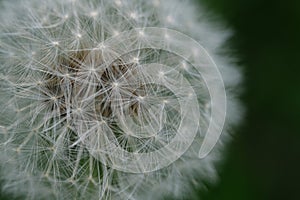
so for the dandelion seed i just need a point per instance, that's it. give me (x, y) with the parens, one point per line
(118, 2)
(55, 43)
(133, 15)
(170, 19)
(167, 37)
(115, 33)
(135, 60)
(156, 3)
(102, 46)
(93, 14)
(141, 33)
(78, 35)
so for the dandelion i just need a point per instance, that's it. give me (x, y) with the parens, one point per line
(110, 99)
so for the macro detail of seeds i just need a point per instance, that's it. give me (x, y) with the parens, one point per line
(112, 99)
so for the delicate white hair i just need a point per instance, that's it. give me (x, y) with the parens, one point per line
(121, 99)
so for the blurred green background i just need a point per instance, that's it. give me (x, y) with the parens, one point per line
(263, 160)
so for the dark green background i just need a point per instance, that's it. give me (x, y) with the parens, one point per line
(263, 160)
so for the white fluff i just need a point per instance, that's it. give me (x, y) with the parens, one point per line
(112, 99)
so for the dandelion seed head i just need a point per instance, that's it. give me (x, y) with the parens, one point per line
(111, 99)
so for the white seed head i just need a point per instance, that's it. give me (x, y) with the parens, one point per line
(111, 99)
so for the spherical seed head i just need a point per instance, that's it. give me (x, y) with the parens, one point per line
(108, 100)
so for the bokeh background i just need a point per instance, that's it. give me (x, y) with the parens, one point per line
(263, 159)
